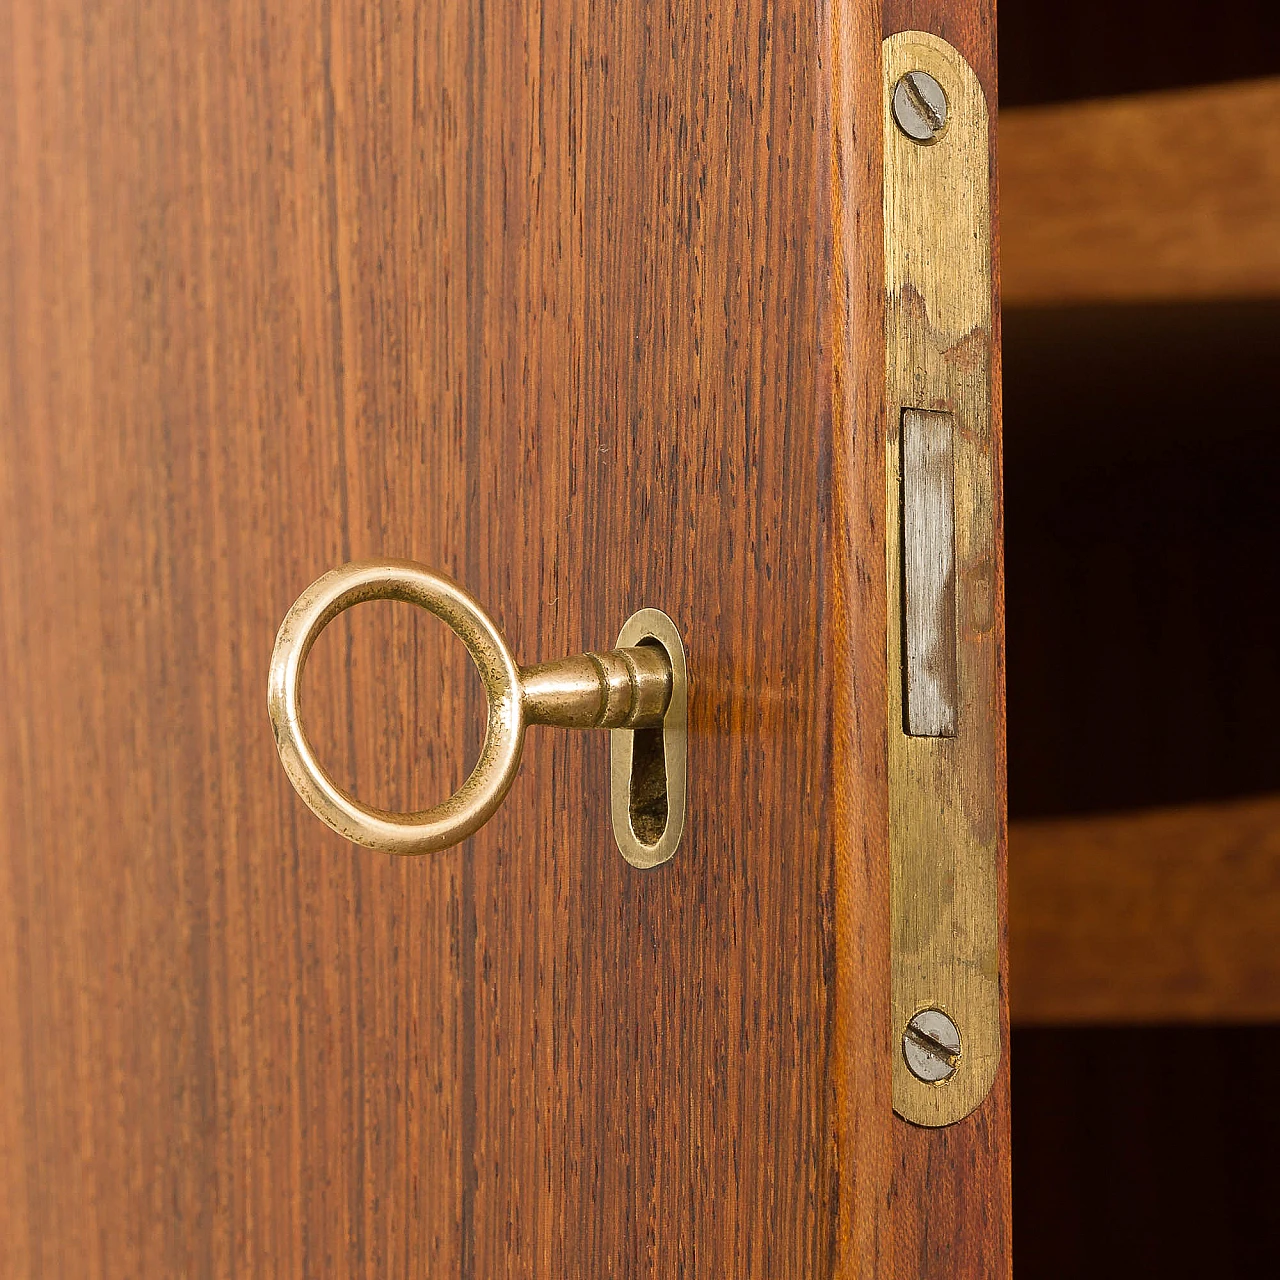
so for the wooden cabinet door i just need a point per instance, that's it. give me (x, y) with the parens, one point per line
(582, 304)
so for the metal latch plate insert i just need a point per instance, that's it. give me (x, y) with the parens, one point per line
(945, 808)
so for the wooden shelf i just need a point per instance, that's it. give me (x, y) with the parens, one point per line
(1162, 196)
(1160, 917)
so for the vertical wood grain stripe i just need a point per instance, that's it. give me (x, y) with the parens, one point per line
(512, 292)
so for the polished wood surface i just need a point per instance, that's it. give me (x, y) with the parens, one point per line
(550, 302)
(862, 1040)
(1160, 196)
(1164, 916)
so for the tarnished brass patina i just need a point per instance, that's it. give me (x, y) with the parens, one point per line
(648, 764)
(626, 689)
(944, 725)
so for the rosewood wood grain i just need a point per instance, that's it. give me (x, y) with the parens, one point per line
(859, 904)
(584, 309)
(1158, 917)
(536, 297)
(1156, 197)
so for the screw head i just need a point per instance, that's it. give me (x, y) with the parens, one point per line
(931, 1046)
(920, 107)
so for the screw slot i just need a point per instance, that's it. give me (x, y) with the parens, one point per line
(920, 107)
(931, 1046)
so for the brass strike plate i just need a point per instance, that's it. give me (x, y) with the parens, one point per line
(944, 808)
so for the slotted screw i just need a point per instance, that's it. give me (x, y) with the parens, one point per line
(920, 106)
(931, 1046)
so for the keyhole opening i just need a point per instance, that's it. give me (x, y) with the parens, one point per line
(649, 806)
